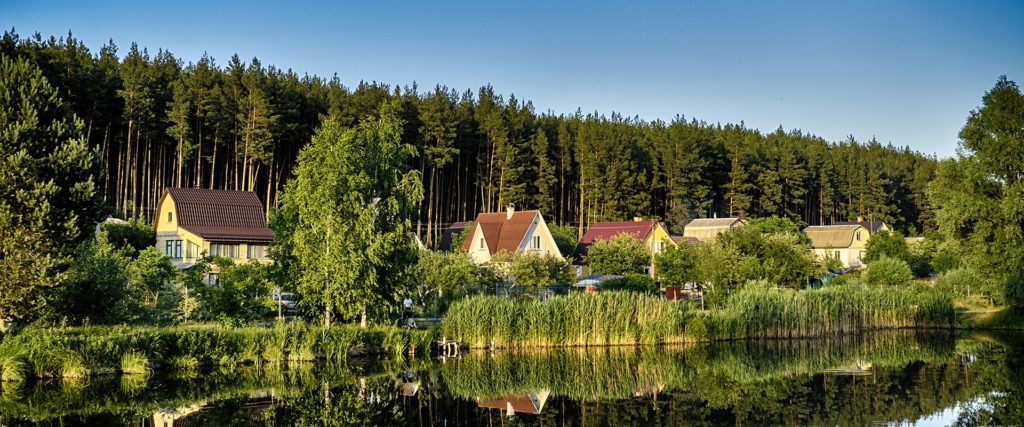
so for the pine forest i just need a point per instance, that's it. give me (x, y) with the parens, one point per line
(162, 121)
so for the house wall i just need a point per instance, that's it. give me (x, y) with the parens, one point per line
(547, 241)
(658, 234)
(850, 257)
(478, 252)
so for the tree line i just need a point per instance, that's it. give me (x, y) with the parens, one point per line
(158, 121)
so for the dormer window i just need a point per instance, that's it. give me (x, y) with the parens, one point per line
(170, 216)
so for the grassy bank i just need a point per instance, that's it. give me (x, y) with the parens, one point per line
(607, 318)
(1004, 318)
(623, 318)
(130, 350)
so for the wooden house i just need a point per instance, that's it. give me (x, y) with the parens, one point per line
(510, 232)
(847, 243)
(191, 223)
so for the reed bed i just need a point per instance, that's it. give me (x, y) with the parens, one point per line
(96, 350)
(576, 320)
(782, 313)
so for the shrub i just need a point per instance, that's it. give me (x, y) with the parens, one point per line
(641, 283)
(959, 281)
(1015, 291)
(888, 272)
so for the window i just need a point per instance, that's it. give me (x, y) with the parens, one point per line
(172, 249)
(211, 278)
(170, 216)
(256, 251)
(536, 242)
(837, 254)
(224, 250)
(192, 250)
(481, 243)
(858, 236)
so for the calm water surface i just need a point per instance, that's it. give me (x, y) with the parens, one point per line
(892, 378)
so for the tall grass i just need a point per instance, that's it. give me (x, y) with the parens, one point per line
(83, 351)
(780, 313)
(607, 318)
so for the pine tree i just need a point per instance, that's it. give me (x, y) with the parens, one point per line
(49, 199)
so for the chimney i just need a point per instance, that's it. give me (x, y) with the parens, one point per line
(509, 210)
(860, 218)
(637, 217)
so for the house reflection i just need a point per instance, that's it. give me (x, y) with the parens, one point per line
(523, 403)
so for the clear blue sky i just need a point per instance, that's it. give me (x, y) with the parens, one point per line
(907, 73)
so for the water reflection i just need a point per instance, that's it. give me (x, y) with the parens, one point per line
(874, 378)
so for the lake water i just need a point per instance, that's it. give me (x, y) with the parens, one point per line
(881, 378)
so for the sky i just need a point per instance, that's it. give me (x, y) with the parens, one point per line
(906, 73)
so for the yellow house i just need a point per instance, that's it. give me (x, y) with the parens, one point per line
(845, 242)
(651, 233)
(191, 223)
(510, 232)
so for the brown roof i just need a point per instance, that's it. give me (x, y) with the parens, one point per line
(221, 215)
(502, 233)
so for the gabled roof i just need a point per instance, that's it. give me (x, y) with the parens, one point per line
(713, 222)
(501, 232)
(221, 215)
(831, 236)
(871, 226)
(606, 230)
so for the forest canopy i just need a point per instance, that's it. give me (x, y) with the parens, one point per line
(159, 121)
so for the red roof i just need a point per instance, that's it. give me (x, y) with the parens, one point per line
(221, 215)
(606, 230)
(501, 232)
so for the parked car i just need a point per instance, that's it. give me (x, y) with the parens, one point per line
(288, 300)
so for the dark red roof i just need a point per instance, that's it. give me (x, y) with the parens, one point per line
(500, 232)
(606, 230)
(221, 215)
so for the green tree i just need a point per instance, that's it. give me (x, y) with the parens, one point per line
(148, 274)
(781, 259)
(131, 236)
(621, 254)
(443, 276)
(720, 269)
(49, 201)
(95, 290)
(534, 271)
(777, 225)
(888, 272)
(979, 197)
(242, 294)
(887, 245)
(676, 265)
(565, 238)
(351, 206)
